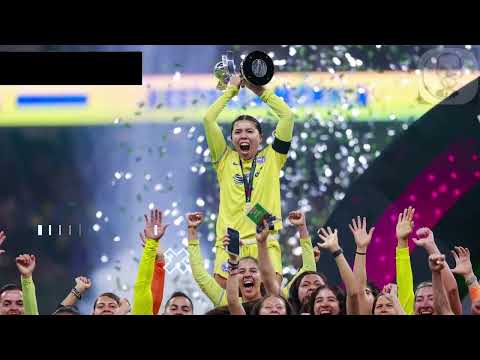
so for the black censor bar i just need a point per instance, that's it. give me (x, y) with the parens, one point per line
(71, 68)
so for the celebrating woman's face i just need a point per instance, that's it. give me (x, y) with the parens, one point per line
(384, 306)
(273, 305)
(249, 279)
(326, 303)
(308, 285)
(246, 138)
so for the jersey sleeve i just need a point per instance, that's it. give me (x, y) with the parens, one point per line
(142, 290)
(29, 296)
(406, 295)
(215, 138)
(205, 281)
(308, 262)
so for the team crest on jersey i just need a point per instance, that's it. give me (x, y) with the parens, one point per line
(225, 267)
(238, 179)
(261, 160)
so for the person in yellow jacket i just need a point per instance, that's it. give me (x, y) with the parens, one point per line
(247, 175)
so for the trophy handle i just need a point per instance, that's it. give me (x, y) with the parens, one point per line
(229, 63)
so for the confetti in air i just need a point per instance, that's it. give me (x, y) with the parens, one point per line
(329, 150)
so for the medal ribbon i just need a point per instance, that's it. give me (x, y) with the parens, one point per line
(248, 182)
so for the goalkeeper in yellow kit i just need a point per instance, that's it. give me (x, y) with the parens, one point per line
(246, 174)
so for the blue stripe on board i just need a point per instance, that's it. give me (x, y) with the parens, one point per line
(51, 100)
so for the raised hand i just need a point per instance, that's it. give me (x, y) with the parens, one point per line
(463, 265)
(405, 224)
(425, 238)
(329, 238)
(297, 218)
(194, 219)
(26, 264)
(237, 80)
(226, 242)
(263, 235)
(82, 284)
(124, 307)
(359, 231)
(154, 229)
(257, 90)
(2, 239)
(436, 262)
(391, 290)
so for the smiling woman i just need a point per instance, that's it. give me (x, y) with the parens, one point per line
(257, 169)
(327, 300)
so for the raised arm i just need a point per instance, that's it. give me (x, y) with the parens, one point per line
(158, 278)
(213, 132)
(158, 284)
(309, 258)
(404, 227)
(234, 305)
(463, 266)
(427, 241)
(267, 272)
(82, 284)
(142, 290)
(436, 262)
(26, 265)
(330, 243)
(284, 129)
(362, 240)
(204, 280)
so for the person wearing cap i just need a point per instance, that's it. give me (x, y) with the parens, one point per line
(247, 174)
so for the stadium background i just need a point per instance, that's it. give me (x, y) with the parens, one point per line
(100, 156)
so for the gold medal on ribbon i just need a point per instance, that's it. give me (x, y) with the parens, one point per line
(248, 207)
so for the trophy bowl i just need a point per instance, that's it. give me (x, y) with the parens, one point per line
(257, 68)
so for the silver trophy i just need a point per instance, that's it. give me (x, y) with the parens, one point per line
(257, 68)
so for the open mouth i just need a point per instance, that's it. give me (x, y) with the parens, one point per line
(244, 146)
(108, 312)
(325, 312)
(426, 312)
(248, 283)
